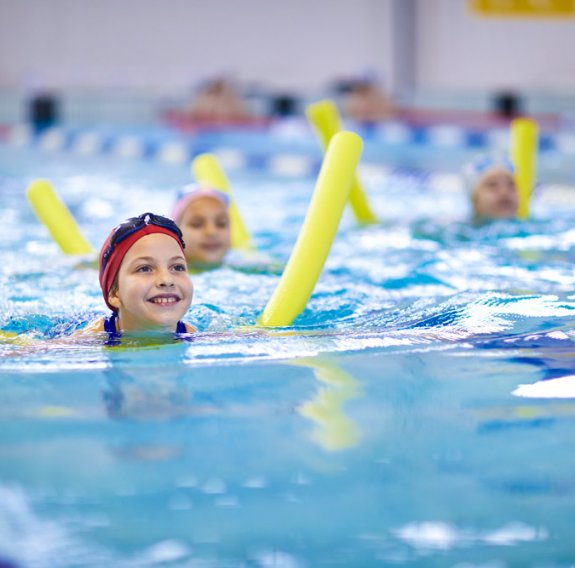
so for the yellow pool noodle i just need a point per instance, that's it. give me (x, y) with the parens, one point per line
(524, 141)
(317, 233)
(207, 170)
(325, 119)
(54, 214)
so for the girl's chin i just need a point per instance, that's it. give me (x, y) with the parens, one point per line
(163, 322)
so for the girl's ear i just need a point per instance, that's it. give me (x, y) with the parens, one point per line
(113, 300)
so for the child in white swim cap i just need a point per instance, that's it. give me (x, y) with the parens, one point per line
(491, 183)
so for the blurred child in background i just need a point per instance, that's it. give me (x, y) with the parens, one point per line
(492, 187)
(202, 213)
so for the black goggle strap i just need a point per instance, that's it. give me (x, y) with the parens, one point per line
(134, 224)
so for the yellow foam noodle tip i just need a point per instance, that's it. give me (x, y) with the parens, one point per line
(325, 119)
(317, 233)
(54, 214)
(56, 412)
(15, 338)
(524, 142)
(7, 335)
(207, 170)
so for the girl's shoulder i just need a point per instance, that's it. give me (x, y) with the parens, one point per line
(99, 326)
(95, 326)
(190, 328)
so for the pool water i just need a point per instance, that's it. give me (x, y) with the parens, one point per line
(419, 412)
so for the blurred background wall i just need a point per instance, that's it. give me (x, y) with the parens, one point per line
(459, 49)
(421, 50)
(167, 45)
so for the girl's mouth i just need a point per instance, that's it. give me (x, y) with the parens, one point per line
(211, 247)
(164, 299)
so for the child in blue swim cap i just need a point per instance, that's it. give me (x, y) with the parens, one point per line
(491, 184)
(202, 213)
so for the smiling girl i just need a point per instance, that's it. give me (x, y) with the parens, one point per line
(144, 278)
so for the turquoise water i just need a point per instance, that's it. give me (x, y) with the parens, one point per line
(419, 412)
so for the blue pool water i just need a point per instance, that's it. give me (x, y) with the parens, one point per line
(419, 412)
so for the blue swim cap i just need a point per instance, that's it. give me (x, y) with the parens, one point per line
(473, 170)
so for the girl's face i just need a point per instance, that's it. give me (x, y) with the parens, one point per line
(205, 225)
(154, 290)
(495, 196)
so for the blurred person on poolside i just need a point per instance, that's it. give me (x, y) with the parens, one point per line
(363, 100)
(218, 101)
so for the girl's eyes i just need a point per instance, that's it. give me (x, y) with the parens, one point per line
(196, 222)
(200, 223)
(179, 267)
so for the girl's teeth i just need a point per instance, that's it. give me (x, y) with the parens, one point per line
(164, 300)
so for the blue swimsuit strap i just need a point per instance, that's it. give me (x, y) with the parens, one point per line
(111, 328)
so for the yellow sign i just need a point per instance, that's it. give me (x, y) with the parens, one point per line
(522, 8)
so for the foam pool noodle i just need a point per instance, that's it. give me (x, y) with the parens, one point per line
(316, 236)
(326, 121)
(524, 141)
(54, 214)
(207, 170)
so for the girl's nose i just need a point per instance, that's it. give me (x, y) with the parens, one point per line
(165, 278)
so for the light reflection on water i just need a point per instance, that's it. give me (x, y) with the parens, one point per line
(411, 414)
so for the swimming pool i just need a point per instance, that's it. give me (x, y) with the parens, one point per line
(418, 412)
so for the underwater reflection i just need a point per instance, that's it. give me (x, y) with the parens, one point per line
(150, 396)
(131, 396)
(335, 430)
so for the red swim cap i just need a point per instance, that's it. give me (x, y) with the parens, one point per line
(112, 254)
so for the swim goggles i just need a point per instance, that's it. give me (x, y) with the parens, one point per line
(135, 224)
(201, 191)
